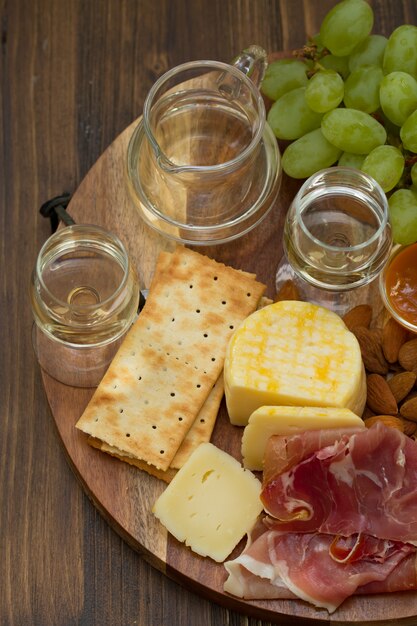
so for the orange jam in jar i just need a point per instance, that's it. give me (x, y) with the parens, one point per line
(400, 278)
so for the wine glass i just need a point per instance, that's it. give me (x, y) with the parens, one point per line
(84, 295)
(337, 238)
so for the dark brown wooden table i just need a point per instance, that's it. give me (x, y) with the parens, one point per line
(74, 74)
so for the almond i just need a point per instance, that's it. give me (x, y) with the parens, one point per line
(287, 291)
(401, 384)
(388, 420)
(393, 337)
(410, 427)
(379, 396)
(371, 350)
(377, 333)
(381, 318)
(407, 355)
(360, 315)
(409, 409)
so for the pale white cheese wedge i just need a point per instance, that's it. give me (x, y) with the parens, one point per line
(211, 503)
(288, 420)
(293, 354)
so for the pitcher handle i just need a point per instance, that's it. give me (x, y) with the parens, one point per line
(252, 61)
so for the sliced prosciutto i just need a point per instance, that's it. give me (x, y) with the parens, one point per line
(363, 483)
(283, 452)
(287, 565)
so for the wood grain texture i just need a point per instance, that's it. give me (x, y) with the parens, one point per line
(74, 75)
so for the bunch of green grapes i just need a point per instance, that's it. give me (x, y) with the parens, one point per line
(350, 99)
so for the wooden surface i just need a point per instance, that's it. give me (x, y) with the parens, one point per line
(74, 74)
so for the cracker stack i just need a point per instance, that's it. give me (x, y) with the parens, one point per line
(160, 396)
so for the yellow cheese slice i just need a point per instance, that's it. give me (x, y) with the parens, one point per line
(211, 503)
(293, 354)
(288, 420)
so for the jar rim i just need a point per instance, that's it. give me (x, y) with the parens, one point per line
(63, 235)
(352, 174)
(397, 250)
(219, 65)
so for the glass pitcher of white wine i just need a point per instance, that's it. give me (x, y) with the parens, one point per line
(203, 165)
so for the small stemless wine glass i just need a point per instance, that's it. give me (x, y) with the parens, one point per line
(337, 237)
(84, 295)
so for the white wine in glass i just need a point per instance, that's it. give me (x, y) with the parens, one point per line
(337, 237)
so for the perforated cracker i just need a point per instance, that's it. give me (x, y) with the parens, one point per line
(171, 358)
(200, 432)
(200, 302)
(166, 476)
(202, 427)
(146, 402)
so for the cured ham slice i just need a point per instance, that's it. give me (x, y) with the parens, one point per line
(362, 483)
(402, 578)
(287, 565)
(342, 519)
(283, 452)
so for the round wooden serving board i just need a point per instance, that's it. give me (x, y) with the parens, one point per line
(124, 494)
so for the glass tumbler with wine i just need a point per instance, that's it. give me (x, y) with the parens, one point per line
(337, 238)
(84, 294)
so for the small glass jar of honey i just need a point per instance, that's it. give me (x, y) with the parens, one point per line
(398, 286)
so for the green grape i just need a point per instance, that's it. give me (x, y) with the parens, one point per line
(324, 91)
(408, 132)
(385, 164)
(310, 153)
(369, 52)
(290, 117)
(401, 51)
(348, 159)
(282, 76)
(338, 64)
(346, 25)
(352, 130)
(398, 95)
(413, 174)
(362, 88)
(403, 216)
